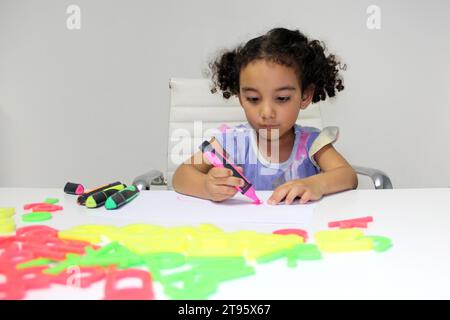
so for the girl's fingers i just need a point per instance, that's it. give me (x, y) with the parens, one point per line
(278, 195)
(230, 181)
(293, 193)
(220, 172)
(217, 172)
(226, 191)
(223, 184)
(306, 197)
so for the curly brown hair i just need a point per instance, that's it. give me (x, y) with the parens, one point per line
(286, 47)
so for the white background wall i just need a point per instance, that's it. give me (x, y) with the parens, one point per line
(91, 105)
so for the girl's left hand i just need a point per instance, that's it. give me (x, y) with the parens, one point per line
(304, 188)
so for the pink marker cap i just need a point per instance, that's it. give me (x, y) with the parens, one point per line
(79, 190)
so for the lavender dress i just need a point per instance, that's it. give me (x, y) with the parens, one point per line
(241, 147)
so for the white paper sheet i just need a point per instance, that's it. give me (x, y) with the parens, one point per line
(165, 206)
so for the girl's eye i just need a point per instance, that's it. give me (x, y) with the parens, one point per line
(252, 99)
(283, 99)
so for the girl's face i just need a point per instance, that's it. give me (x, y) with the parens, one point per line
(271, 96)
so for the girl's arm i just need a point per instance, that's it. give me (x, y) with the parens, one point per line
(337, 175)
(190, 176)
(197, 178)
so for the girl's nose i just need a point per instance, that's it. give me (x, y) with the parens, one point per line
(267, 112)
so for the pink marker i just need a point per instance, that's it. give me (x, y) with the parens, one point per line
(219, 160)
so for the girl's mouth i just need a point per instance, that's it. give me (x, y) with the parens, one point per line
(271, 127)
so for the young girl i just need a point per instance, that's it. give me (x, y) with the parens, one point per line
(275, 76)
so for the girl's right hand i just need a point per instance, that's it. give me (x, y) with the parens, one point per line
(220, 183)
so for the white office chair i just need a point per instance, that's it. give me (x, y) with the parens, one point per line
(194, 111)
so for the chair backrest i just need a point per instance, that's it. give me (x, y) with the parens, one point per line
(194, 111)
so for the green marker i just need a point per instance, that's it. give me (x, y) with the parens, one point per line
(99, 198)
(121, 198)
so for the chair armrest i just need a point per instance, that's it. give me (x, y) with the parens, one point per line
(379, 178)
(148, 179)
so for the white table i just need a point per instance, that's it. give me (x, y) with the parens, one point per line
(417, 220)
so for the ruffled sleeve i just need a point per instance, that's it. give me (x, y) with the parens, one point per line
(326, 136)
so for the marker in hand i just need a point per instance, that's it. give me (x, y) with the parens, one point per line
(217, 159)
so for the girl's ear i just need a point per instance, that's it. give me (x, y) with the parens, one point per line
(307, 96)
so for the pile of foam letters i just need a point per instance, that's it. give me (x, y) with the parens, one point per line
(188, 262)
